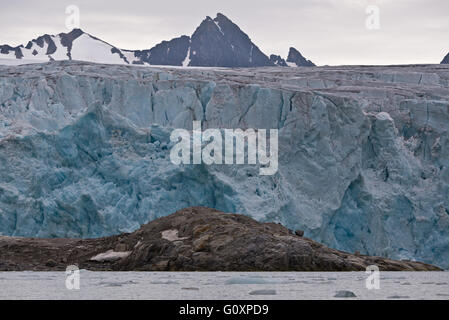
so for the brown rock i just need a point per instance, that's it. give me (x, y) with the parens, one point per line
(51, 263)
(160, 266)
(202, 244)
(198, 230)
(120, 247)
(299, 233)
(208, 240)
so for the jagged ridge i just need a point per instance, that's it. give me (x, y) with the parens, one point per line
(215, 43)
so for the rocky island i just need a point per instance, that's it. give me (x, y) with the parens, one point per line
(192, 239)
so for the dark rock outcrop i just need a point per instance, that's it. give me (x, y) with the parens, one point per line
(172, 52)
(345, 294)
(51, 48)
(277, 60)
(5, 49)
(68, 38)
(192, 239)
(446, 59)
(297, 58)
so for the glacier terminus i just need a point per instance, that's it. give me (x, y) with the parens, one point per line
(363, 151)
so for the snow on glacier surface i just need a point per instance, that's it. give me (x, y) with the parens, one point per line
(363, 151)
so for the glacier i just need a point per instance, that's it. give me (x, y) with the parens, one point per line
(363, 151)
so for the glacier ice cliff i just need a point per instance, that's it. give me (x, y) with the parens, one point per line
(363, 151)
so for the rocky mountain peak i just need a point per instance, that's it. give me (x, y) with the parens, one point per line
(278, 60)
(446, 59)
(221, 43)
(296, 58)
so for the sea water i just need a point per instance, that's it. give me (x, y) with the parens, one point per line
(223, 285)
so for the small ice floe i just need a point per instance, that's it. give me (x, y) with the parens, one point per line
(172, 235)
(398, 297)
(117, 284)
(345, 294)
(164, 282)
(258, 280)
(246, 280)
(110, 256)
(266, 292)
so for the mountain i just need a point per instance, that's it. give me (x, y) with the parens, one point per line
(215, 43)
(75, 45)
(221, 43)
(446, 59)
(295, 59)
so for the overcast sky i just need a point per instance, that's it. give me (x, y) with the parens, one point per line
(329, 32)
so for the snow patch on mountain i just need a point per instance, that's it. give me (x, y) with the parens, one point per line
(186, 61)
(86, 48)
(218, 26)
